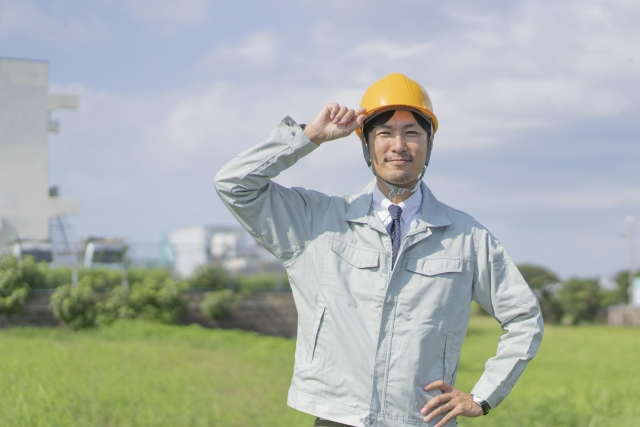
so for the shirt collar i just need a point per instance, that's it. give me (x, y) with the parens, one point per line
(410, 207)
(359, 209)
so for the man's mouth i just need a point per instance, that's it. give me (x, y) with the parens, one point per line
(398, 160)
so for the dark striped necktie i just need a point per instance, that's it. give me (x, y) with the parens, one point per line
(393, 228)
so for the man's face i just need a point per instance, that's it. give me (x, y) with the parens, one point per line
(398, 149)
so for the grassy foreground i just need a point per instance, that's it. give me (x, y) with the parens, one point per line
(140, 374)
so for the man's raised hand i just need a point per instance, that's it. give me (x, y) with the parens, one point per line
(333, 122)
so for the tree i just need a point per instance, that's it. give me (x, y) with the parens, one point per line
(622, 278)
(580, 300)
(545, 285)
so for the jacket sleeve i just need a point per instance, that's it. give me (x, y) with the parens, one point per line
(501, 290)
(279, 218)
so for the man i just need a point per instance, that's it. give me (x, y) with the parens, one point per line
(383, 281)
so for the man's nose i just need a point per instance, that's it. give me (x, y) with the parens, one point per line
(398, 143)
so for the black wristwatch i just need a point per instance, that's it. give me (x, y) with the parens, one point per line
(483, 404)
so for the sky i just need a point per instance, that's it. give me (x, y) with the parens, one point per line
(537, 104)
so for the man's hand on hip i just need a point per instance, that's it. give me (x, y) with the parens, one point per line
(333, 122)
(453, 403)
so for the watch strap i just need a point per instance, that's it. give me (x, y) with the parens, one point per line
(483, 404)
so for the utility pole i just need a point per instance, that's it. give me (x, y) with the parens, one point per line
(631, 223)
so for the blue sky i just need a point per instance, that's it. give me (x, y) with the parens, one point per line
(537, 104)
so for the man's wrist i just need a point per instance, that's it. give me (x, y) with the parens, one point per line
(312, 134)
(483, 404)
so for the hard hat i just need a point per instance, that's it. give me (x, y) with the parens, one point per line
(396, 92)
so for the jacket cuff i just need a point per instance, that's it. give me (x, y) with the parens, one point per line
(294, 135)
(488, 393)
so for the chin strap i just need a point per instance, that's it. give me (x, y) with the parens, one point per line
(400, 190)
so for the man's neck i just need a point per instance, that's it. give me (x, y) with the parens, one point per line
(398, 198)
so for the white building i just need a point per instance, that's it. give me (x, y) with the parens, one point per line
(26, 204)
(230, 247)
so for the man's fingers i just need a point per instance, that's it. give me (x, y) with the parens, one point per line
(353, 125)
(349, 115)
(446, 419)
(333, 110)
(438, 411)
(435, 402)
(341, 112)
(438, 384)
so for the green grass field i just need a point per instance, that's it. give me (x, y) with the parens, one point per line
(139, 374)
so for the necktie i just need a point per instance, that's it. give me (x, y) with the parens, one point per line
(393, 228)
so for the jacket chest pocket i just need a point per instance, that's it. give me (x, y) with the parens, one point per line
(350, 268)
(431, 284)
(434, 267)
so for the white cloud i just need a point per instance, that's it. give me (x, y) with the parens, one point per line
(198, 125)
(258, 51)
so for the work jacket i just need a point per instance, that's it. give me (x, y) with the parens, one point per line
(370, 336)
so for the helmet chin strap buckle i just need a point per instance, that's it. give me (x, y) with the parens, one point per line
(400, 190)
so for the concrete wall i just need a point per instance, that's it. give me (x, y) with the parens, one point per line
(623, 315)
(36, 313)
(269, 313)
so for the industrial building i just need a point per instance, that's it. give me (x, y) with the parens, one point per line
(229, 247)
(27, 202)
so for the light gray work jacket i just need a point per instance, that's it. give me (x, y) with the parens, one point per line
(369, 336)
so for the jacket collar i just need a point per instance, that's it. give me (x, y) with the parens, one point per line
(431, 213)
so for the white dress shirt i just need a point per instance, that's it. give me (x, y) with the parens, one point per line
(410, 209)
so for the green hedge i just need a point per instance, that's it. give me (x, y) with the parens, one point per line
(14, 287)
(92, 304)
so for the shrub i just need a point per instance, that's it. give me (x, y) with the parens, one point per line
(34, 273)
(219, 304)
(150, 299)
(211, 277)
(56, 277)
(101, 279)
(14, 289)
(76, 306)
(140, 274)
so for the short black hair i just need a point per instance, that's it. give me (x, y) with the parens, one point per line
(383, 118)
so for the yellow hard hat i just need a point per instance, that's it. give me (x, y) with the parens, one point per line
(397, 91)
